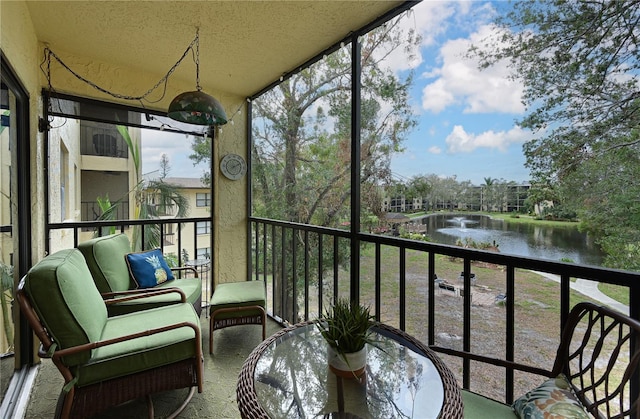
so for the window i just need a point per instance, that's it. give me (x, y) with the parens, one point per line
(203, 227)
(203, 253)
(203, 199)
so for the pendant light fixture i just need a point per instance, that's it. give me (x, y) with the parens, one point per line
(197, 107)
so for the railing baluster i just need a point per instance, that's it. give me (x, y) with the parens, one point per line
(273, 268)
(466, 323)
(378, 281)
(510, 331)
(283, 273)
(294, 275)
(403, 287)
(432, 299)
(335, 269)
(265, 253)
(306, 275)
(320, 272)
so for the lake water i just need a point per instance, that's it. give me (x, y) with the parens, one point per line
(542, 242)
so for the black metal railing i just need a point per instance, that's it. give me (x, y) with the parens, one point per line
(90, 211)
(307, 267)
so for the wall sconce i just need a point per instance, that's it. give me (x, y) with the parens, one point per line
(197, 107)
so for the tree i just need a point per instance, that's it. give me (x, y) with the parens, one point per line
(152, 198)
(489, 200)
(165, 166)
(579, 63)
(201, 146)
(301, 153)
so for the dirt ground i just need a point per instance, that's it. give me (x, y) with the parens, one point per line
(537, 318)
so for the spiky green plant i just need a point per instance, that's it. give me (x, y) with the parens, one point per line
(346, 326)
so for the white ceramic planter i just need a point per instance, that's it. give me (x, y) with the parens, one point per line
(347, 365)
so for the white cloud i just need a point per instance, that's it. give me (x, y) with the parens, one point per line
(429, 19)
(434, 150)
(176, 146)
(460, 141)
(459, 81)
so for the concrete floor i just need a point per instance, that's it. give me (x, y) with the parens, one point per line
(218, 399)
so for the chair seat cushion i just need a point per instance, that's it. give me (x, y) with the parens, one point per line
(143, 353)
(480, 407)
(192, 288)
(238, 295)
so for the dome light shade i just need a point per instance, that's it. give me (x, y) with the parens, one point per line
(198, 108)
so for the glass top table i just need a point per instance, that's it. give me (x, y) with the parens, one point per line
(287, 376)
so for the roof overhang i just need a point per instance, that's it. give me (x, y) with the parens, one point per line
(244, 45)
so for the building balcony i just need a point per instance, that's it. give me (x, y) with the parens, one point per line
(498, 308)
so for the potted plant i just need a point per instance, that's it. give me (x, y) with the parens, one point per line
(346, 328)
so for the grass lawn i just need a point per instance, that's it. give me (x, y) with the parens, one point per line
(537, 310)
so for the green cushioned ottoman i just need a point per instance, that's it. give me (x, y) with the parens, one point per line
(237, 303)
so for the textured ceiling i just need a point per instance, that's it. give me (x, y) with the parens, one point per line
(244, 45)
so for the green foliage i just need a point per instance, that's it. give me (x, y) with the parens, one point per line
(107, 212)
(346, 326)
(558, 213)
(301, 148)
(153, 199)
(201, 147)
(579, 63)
(302, 129)
(469, 243)
(415, 236)
(172, 260)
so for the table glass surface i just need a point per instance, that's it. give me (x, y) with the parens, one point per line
(292, 380)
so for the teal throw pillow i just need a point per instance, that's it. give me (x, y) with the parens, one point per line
(553, 399)
(149, 268)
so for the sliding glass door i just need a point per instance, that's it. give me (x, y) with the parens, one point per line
(15, 223)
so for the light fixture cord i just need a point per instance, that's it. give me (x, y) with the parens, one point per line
(49, 54)
(197, 42)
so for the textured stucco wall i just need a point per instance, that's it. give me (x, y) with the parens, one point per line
(230, 203)
(20, 45)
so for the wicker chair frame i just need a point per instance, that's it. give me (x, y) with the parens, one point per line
(250, 407)
(593, 333)
(86, 401)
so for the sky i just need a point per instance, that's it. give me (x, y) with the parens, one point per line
(466, 117)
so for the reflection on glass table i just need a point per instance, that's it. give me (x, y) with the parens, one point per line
(287, 376)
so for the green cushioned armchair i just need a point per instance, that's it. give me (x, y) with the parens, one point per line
(106, 361)
(105, 257)
(596, 370)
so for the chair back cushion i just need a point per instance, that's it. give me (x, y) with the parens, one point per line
(105, 257)
(67, 301)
